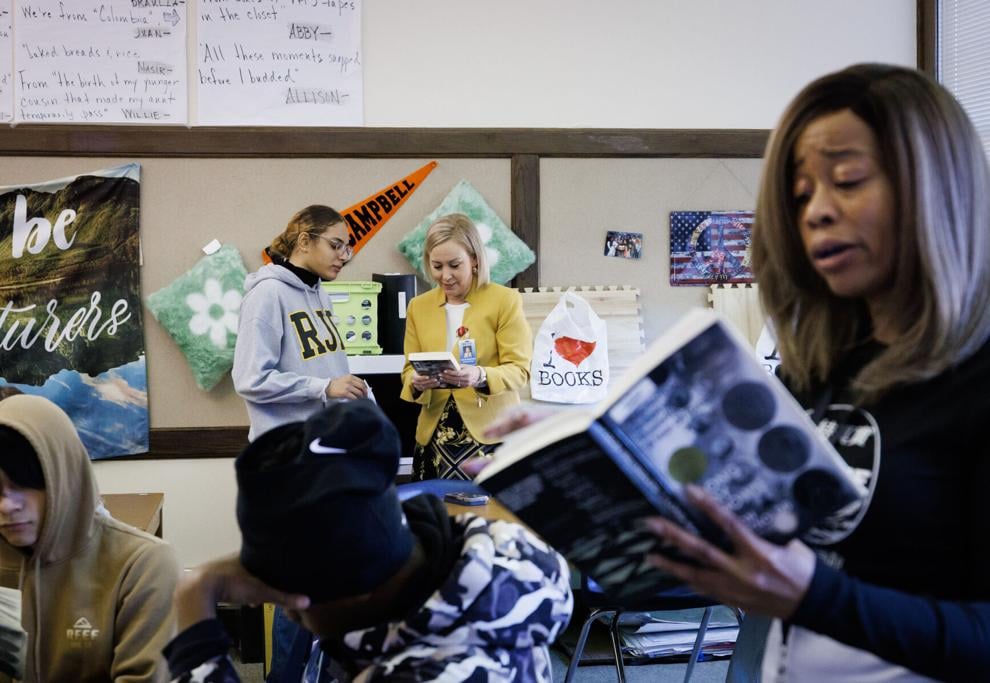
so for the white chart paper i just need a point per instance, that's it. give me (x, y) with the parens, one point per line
(6, 63)
(100, 61)
(279, 62)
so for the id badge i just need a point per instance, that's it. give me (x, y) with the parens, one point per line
(467, 352)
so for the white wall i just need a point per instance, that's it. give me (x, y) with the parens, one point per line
(198, 512)
(557, 63)
(618, 64)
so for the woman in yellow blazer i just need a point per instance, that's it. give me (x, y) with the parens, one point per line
(482, 324)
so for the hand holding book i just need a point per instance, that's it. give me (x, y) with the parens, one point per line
(757, 575)
(440, 370)
(696, 411)
(517, 417)
(429, 367)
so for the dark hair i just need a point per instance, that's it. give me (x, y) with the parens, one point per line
(314, 219)
(8, 390)
(20, 461)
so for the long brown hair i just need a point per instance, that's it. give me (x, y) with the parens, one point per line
(935, 161)
(314, 219)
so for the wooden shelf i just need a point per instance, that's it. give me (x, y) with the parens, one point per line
(376, 365)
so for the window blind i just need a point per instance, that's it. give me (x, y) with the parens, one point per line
(963, 58)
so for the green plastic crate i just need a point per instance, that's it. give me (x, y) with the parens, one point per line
(355, 313)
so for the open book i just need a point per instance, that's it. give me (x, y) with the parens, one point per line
(13, 639)
(432, 363)
(696, 407)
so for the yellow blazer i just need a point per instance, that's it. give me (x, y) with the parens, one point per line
(504, 346)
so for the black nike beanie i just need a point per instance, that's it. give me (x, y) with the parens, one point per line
(317, 506)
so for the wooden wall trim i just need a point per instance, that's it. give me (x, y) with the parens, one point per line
(927, 35)
(526, 212)
(157, 141)
(192, 442)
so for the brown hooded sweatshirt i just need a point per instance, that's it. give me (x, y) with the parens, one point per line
(97, 593)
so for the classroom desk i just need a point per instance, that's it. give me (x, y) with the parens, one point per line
(140, 510)
(492, 510)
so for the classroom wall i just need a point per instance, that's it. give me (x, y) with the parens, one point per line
(243, 202)
(653, 63)
(634, 63)
(633, 195)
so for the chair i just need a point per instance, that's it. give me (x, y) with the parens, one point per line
(674, 597)
(438, 487)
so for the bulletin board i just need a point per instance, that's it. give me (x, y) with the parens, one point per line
(559, 190)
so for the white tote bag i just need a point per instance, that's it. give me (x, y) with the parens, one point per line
(570, 354)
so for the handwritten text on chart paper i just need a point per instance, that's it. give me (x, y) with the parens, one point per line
(6, 63)
(279, 62)
(262, 62)
(100, 61)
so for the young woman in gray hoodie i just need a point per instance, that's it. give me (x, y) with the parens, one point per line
(290, 359)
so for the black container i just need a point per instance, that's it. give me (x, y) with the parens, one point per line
(398, 289)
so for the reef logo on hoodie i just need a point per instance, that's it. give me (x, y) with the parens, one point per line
(82, 633)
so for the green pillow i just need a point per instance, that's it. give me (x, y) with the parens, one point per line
(507, 254)
(199, 310)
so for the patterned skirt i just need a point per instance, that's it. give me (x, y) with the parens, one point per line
(450, 446)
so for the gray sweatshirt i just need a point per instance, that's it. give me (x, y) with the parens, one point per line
(288, 349)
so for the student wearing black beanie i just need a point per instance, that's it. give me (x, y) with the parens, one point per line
(396, 590)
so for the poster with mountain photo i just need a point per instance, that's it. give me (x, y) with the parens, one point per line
(70, 303)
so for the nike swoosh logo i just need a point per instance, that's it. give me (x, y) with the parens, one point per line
(316, 447)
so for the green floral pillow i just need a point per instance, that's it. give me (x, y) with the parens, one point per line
(199, 310)
(507, 254)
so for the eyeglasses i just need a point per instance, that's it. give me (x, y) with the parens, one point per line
(345, 250)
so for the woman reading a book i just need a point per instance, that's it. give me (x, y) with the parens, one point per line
(482, 324)
(872, 250)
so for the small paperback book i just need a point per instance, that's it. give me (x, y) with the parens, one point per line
(432, 363)
(698, 408)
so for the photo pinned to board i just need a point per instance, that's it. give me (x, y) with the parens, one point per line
(623, 244)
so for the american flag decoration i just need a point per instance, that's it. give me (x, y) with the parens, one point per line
(710, 247)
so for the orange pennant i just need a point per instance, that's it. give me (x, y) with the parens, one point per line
(367, 217)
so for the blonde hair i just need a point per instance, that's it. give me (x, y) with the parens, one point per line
(935, 161)
(462, 230)
(314, 219)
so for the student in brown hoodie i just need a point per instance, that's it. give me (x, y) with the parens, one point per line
(96, 593)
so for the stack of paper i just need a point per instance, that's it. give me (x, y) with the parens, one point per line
(644, 635)
(13, 639)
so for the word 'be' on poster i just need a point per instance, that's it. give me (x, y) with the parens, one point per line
(100, 61)
(280, 62)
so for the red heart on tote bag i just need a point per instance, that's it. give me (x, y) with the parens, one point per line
(573, 350)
